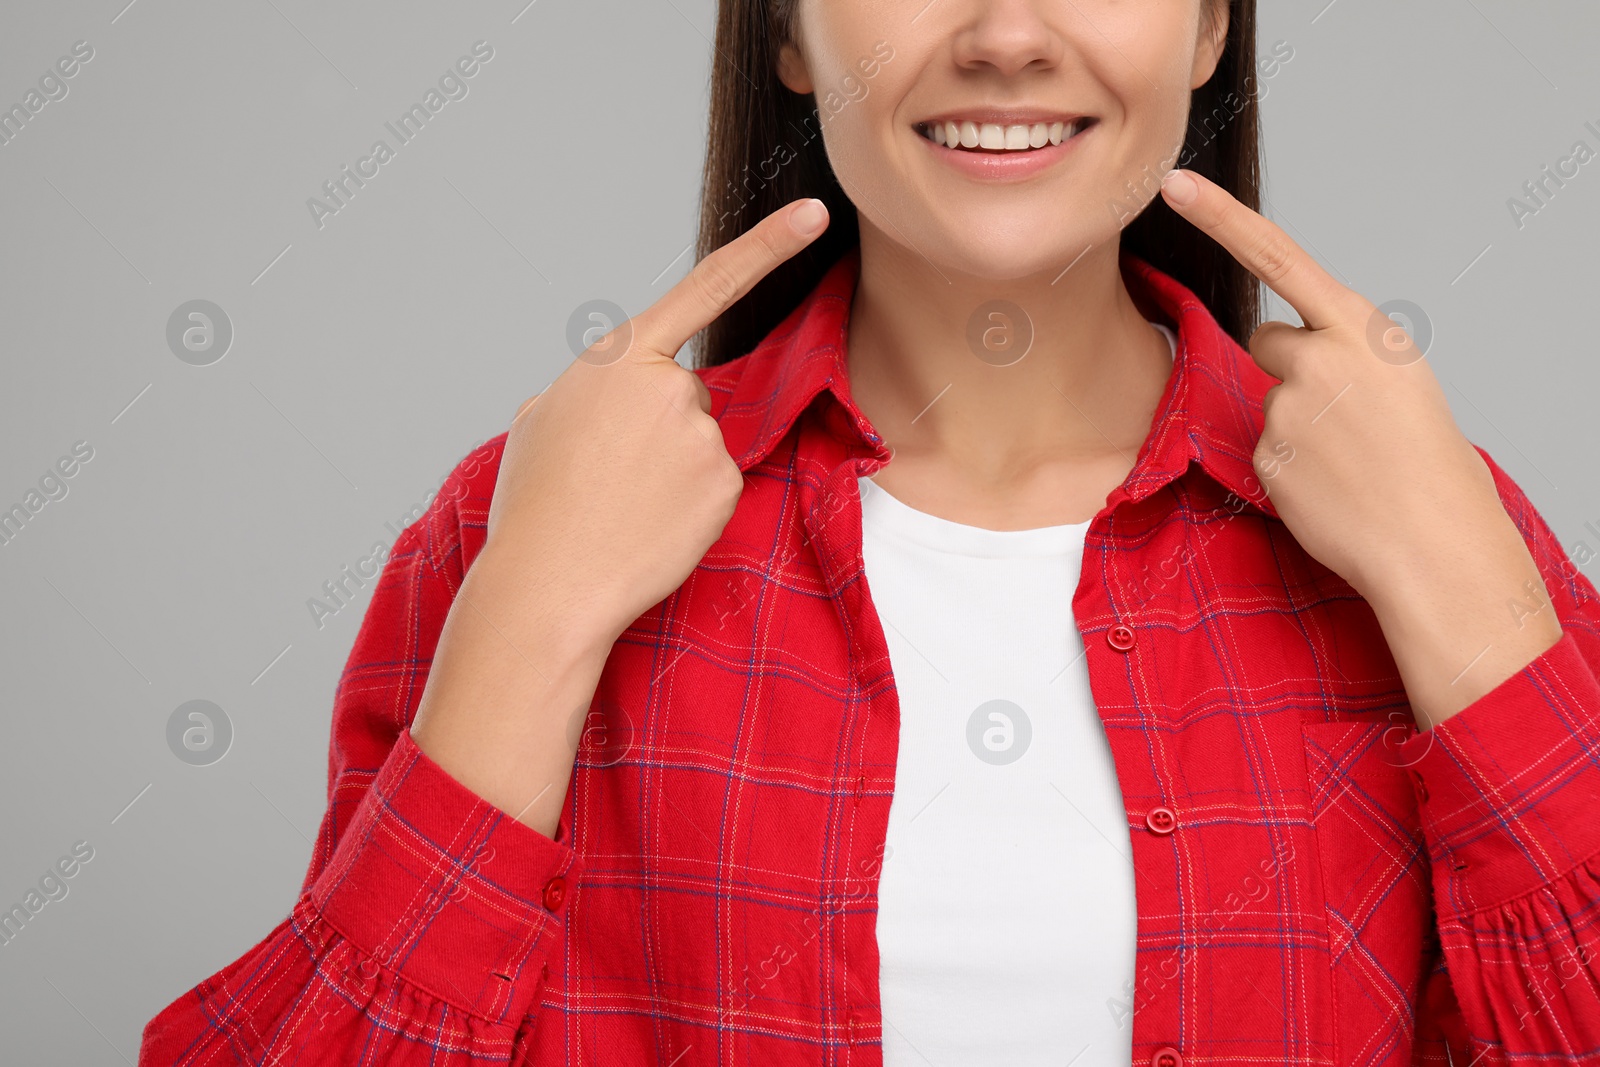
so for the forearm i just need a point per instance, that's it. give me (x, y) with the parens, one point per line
(1465, 616)
(511, 684)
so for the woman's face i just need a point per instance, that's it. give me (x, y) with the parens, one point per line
(1122, 70)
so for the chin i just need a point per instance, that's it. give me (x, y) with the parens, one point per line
(1001, 252)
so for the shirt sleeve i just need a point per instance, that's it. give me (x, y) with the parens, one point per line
(1509, 794)
(424, 923)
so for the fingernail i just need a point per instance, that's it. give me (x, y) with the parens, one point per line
(1180, 187)
(808, 218)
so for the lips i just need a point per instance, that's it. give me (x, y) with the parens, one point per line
(1019, 149)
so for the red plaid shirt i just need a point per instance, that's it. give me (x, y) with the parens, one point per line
(1317, 882)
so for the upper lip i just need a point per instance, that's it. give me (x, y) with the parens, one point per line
(1003, 116)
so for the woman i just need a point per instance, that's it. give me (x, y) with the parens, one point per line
(981, 657)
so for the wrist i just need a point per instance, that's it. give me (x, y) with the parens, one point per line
(510, 687)
(1463, 617)
(534, 603)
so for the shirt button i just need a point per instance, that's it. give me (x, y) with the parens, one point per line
(1161, 820)
(555, 891)
(1120, 637)
(1422, 787)
(1166, 1056)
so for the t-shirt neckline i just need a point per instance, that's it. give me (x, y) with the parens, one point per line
(884, 513)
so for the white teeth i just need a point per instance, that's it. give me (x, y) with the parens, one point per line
(993, 136)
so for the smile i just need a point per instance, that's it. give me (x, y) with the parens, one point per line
(1007, 151)
(967, 135)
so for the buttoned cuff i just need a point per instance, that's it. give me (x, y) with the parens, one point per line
(437, 885)
(1509, 787)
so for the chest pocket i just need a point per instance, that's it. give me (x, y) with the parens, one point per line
(1375, 880)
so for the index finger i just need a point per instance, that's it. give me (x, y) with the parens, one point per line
(1264, 249)
(718, 281)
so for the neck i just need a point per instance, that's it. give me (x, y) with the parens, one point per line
(1081, 398)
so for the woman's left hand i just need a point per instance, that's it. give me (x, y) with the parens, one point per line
(1359, 451)
(1368, 470)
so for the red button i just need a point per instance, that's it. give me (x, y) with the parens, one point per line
(1422, 787)
(1120, 637)
(1166, 1056)
(555, 891)
(1161, 820)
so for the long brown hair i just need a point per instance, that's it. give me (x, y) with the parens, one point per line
(764, 149)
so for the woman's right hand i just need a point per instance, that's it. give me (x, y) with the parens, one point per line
(611, 489)
(617, 479)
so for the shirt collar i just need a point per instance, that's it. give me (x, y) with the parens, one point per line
(1210, 411)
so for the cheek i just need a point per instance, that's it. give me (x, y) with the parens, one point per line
(860, 55)
(855, 143)
(860, 126)
(1140, 138)
(1157, 127)
(1140, 57)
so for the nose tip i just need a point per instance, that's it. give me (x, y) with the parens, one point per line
(1008, 38)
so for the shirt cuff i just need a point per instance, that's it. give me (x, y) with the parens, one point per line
(1509, 787)
(436, 884)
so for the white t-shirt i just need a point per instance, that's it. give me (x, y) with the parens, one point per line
(1006, 919)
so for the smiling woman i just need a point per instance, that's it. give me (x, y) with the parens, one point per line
(1176, 689)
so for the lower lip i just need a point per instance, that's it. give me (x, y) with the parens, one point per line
(1005, 166)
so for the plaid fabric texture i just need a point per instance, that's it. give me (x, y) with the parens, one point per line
(1327, 884)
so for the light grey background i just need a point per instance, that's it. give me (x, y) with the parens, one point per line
(371, 354)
